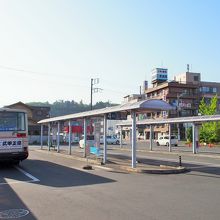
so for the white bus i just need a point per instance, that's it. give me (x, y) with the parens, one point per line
(13, 135)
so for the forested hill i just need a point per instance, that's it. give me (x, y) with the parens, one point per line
(62, 107)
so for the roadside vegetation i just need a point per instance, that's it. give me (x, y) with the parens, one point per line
(61, 107)
(209, 132)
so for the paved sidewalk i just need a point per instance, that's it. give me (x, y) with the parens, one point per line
(117, 163)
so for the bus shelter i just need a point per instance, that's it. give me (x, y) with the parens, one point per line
(109, 113)
(196, 121)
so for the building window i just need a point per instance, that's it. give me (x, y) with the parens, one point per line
(204, 89)
(39, 113)
(196, 78)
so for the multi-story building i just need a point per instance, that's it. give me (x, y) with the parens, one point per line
(184, 92)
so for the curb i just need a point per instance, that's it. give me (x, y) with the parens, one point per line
(92, 161)
(160, 170)
(157, 170)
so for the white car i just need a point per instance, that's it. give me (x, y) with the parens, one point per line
(90, 140)
(164, 140)
(110, 140)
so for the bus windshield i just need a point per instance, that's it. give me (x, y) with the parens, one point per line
(12, 121)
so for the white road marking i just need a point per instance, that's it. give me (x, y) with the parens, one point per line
(34, 179)
(10, 181)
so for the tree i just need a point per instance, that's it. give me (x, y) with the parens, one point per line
(189, 134)
(209, 132)
(61, 107)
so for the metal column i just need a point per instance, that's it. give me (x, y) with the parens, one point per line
(58, 137)
(170, 147)
(151, 137)
(178, 129)
(194, 138)
(85, 137)
(133, 141)
(121, 137)
(48, 140)
(104, 140)
(41, 136)
(70, 134)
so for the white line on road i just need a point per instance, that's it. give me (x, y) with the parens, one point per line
(34, 179)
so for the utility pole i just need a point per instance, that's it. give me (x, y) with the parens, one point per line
(94, 90)
(91, 93)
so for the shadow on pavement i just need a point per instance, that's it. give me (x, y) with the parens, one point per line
(154, 162)
(10, 200)
(55, 175)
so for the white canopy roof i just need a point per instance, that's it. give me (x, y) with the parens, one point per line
(141, 106)
(194, 119)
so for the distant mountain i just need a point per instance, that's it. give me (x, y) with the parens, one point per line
(61, 107)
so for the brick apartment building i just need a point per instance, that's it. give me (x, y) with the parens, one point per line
(184, 92)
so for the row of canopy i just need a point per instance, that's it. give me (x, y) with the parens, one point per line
(132, 108)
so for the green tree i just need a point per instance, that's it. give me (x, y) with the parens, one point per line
(209, 132)
(61, 107)
(189, 134)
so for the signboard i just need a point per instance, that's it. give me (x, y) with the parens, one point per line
(8, 145)
(97, 134)
(117, 116)
(11, 144)
(97, 127)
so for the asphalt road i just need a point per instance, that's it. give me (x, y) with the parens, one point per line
(55, 187)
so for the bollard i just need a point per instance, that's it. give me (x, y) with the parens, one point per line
(180, 161)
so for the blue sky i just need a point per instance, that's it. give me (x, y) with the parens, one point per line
(62, 44)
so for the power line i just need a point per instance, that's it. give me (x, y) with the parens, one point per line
(43, 73)
(36, 73)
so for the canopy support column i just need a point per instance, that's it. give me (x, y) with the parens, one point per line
(195, 138)
(70, 134)
(85, 137)
(104, 139)
(121, 137)
(58, 137)
(41, 136)
(48, 140)
(133, 141)
(170, 147)
(151, 137)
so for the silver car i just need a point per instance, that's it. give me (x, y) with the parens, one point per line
(110, 140)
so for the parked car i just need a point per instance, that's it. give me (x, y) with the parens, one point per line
(110, 140)
(90, 140)
(164, 140)
(140, 136)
